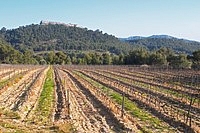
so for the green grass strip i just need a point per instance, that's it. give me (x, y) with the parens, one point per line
(44, 108)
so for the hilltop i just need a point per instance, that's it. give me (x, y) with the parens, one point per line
(48, 36)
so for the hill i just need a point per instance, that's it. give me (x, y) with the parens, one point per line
(155, 42)
(48, 36)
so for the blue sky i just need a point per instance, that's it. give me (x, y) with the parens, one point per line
(122, 18)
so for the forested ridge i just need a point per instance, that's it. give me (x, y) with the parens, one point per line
(47, 37)
(154, 43)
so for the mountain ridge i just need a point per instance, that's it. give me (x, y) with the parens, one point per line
(155, 42)
(156, 36)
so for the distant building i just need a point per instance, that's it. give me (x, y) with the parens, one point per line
(49, 22)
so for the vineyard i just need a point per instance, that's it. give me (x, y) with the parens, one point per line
(96, 99)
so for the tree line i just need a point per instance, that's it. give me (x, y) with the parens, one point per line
(140, 56)
(161, 57)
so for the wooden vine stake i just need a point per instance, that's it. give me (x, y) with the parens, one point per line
(122, 111)
(68, 103)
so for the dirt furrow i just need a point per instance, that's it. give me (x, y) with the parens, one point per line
(60, 98)
(84, 116)
(12, 97)
(114, 123)
(33, 96)
(14, 90)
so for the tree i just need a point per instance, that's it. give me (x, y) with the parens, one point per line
(60, 58)
(121, 59)
(180, 61)
(137, 57)
(95, 59)
(196, 59)
(87, 57)
(106, 59)
(3, 30)
(68, 60)
(115, 60)
(196, 55)
(28, 58)
(74, 60)
(51, 57)
(157, 58)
